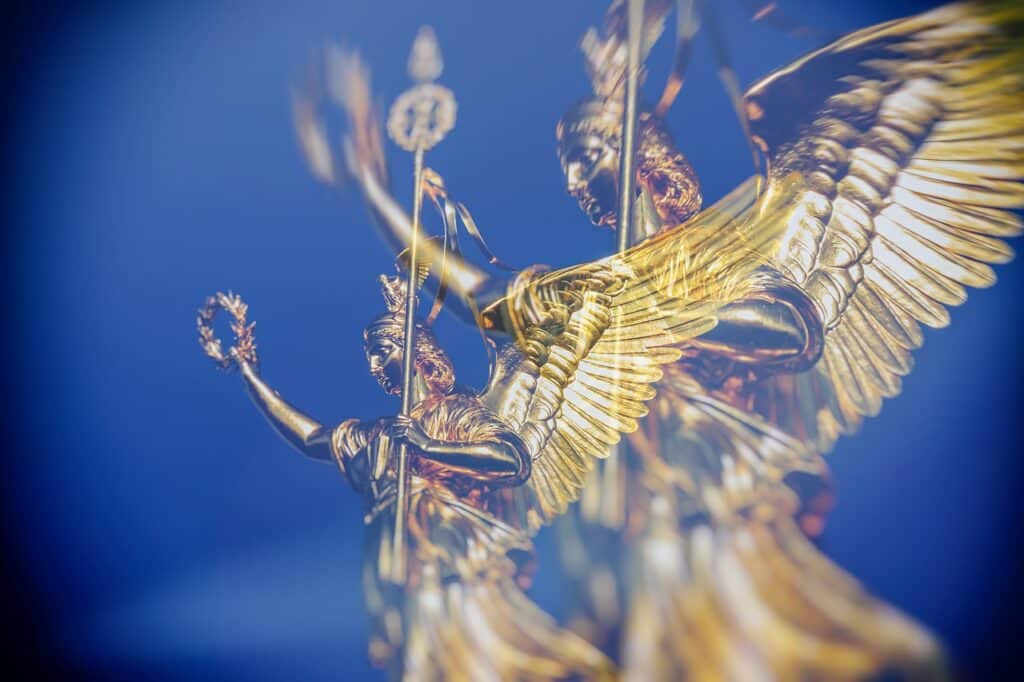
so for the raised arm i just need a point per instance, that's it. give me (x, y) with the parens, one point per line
(776, 328)
(302, 432)
(365, 165)
(470, 287)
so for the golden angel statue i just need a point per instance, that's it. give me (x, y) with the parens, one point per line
(490, 468)
(582, 347)
(463, 611)
(893, 160)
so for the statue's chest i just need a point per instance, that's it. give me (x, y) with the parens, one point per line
(451, 418)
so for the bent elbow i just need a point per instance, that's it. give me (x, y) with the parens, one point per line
(522, 474)
(519, 456)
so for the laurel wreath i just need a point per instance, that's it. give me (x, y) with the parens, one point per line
(245, 340)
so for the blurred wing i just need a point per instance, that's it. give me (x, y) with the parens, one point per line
(724, 459)
(908, 142)
(590, 341)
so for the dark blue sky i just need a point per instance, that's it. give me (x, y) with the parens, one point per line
(152, 161)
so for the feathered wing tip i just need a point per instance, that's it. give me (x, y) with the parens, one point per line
(312, 135)
(754, 600)
(349, 80)
(345, 78)
(604, 52)
(906, 141)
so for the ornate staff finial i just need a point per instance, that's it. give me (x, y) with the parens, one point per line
(425, 113)
(425, 62)
(419, 119)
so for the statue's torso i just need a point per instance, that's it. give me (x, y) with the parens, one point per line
(449, 523)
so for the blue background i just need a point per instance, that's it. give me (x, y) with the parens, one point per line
(155, 524)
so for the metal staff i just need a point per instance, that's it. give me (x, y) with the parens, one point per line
(627, 153)
(418, 120)
(627, 187)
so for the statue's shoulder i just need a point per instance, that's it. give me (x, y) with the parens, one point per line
(458, 415)
(457, 400)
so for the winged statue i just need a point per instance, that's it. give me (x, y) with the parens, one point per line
(892, 167)
(491, 467)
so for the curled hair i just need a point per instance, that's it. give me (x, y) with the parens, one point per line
(667, 173)
(432, 362)
(672, 181)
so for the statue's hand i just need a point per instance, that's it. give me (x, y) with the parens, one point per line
(407, 430)
(244, 362)
(244, 348)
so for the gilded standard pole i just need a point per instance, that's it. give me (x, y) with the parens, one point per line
(418, 120)
(627, 152)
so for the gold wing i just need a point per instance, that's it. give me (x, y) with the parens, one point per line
(590, 340)
(910, 156)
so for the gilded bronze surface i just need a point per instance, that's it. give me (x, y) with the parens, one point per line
(733, 344)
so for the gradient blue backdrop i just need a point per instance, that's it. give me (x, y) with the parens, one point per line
(156, 525)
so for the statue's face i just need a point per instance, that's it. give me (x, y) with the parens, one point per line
(385, 358)
(591, 167)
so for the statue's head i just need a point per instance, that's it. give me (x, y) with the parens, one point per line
(590, 133)
(589, 137)
(384, 344)
(588, 149)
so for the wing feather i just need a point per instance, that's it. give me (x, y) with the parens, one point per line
(909, 146)
(590, 342)
(889, 192)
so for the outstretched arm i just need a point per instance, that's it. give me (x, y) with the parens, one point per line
(776, 328)
(302, 432)
(471, 289)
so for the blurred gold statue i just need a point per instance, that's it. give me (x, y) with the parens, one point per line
(485, 470)
(892, 160)
(488, 469)
(461, 609)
